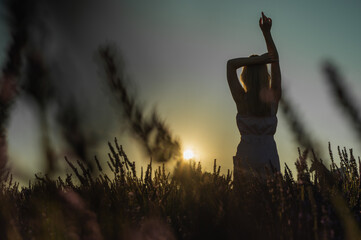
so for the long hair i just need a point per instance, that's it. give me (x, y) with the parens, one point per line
(256, 80)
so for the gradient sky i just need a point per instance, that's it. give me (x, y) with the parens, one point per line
(175, 55)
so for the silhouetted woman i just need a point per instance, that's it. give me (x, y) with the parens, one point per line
(256, 95)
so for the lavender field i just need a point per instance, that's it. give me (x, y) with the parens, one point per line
(170, 198)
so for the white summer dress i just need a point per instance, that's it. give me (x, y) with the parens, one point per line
(257, 148)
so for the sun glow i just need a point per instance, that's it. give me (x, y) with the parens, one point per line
(188, 154)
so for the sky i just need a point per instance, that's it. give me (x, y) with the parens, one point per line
(175, 55)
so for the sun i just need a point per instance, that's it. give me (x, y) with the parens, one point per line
(188, 154)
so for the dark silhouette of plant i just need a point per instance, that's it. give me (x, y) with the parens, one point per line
(17, 17)
(323, 178)
(303, 137)
(294, 120)
(22, 52)
(75, 132)
(26, 25)
(342, 96)
(38, 88)
(153, 134)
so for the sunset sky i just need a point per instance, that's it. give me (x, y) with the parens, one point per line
(175, 55)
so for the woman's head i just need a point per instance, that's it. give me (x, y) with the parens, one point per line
(256, 82)
(255, 77)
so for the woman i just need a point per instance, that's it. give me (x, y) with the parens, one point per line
(257, 96)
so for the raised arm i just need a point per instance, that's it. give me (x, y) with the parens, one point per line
(234, 64)
(265, 24)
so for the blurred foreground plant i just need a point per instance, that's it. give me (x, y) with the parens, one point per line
(153, 134)
(342, 96)
(17, 18)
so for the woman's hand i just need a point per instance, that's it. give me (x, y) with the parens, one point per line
(265, 23)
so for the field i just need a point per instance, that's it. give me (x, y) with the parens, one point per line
(185, 204)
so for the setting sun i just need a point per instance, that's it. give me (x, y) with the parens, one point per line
(188, 154)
